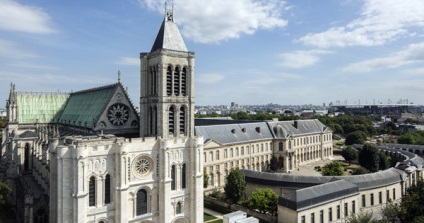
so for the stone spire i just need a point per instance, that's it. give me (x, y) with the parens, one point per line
(169, 36)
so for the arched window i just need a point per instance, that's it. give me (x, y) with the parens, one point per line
(184, 82)
(183, 176)
(107, 189)
(182, 120)
(178, 208)
(177, 81)
(171, 120)
(152, 80)
(92, 192)
(151, 120)
(155, 82)
(173, 177)
(169, 81)
(141, 206)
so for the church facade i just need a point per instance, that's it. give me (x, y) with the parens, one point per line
(89, 157)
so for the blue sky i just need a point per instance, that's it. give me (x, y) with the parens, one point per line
(247, 51)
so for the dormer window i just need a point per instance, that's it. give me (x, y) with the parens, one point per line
(233, 131)
(258, 129)
(243, 130)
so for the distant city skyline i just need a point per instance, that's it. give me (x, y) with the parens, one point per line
(247, 51)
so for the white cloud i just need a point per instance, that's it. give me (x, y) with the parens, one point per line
(21, 18)
(381, 21)
(209, 78)
(415, 71)
(299, 59)
(414, 53)
(10, 49)
(214, 21)
(130, 61)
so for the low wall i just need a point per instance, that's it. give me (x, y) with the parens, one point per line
(235, 207)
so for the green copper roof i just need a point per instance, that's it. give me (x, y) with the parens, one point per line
(85, 107)
(39, 107)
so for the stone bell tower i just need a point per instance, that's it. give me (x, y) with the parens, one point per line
(167, 92)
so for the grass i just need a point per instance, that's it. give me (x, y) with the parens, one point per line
(208, 217)
(217, 221)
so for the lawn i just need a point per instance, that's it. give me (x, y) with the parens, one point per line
(208, 217)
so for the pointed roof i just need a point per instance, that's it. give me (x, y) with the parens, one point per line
(169, 36)
(84, 107)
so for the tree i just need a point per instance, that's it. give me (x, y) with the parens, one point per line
(368, 158)
(356, 137)
(264, 200)
(205, 178)
(390, 212)
(384, 161)
(361, 217)
(333, 169)
(274, 164)
(6, 209)
(411, 206)
(235, 187)
(360, 171)
(350, 154)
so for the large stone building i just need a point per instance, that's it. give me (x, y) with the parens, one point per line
(88, 157)
(251, 146)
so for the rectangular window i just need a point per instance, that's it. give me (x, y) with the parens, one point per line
(204, 157)
(242, 151)
(387, 195)
(247, 149)
(394, 194)
(217, 168)
(346, 211)
(338, 211)
(330, 214)
(231, 152)
(363, 201)
(211, 169)
(280, 146)
(353, 207)
(262, 147)
(210, 156)
(237, 151)
(380, 197)
(225, 153)
(217, 155)
(321, 216)
(372, 199)
(313, 218)
(303, 219)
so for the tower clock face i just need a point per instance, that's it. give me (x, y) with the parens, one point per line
(118, 114)
(142, 166)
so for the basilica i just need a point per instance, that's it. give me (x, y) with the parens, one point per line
(88, 156)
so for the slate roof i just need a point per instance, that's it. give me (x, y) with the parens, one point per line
(169, 37)
(85, 107)
(323, 193)
(311, 190)
(235, 133)
(374, 180)
(284, 180)
(283, 129)
(38, 107)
